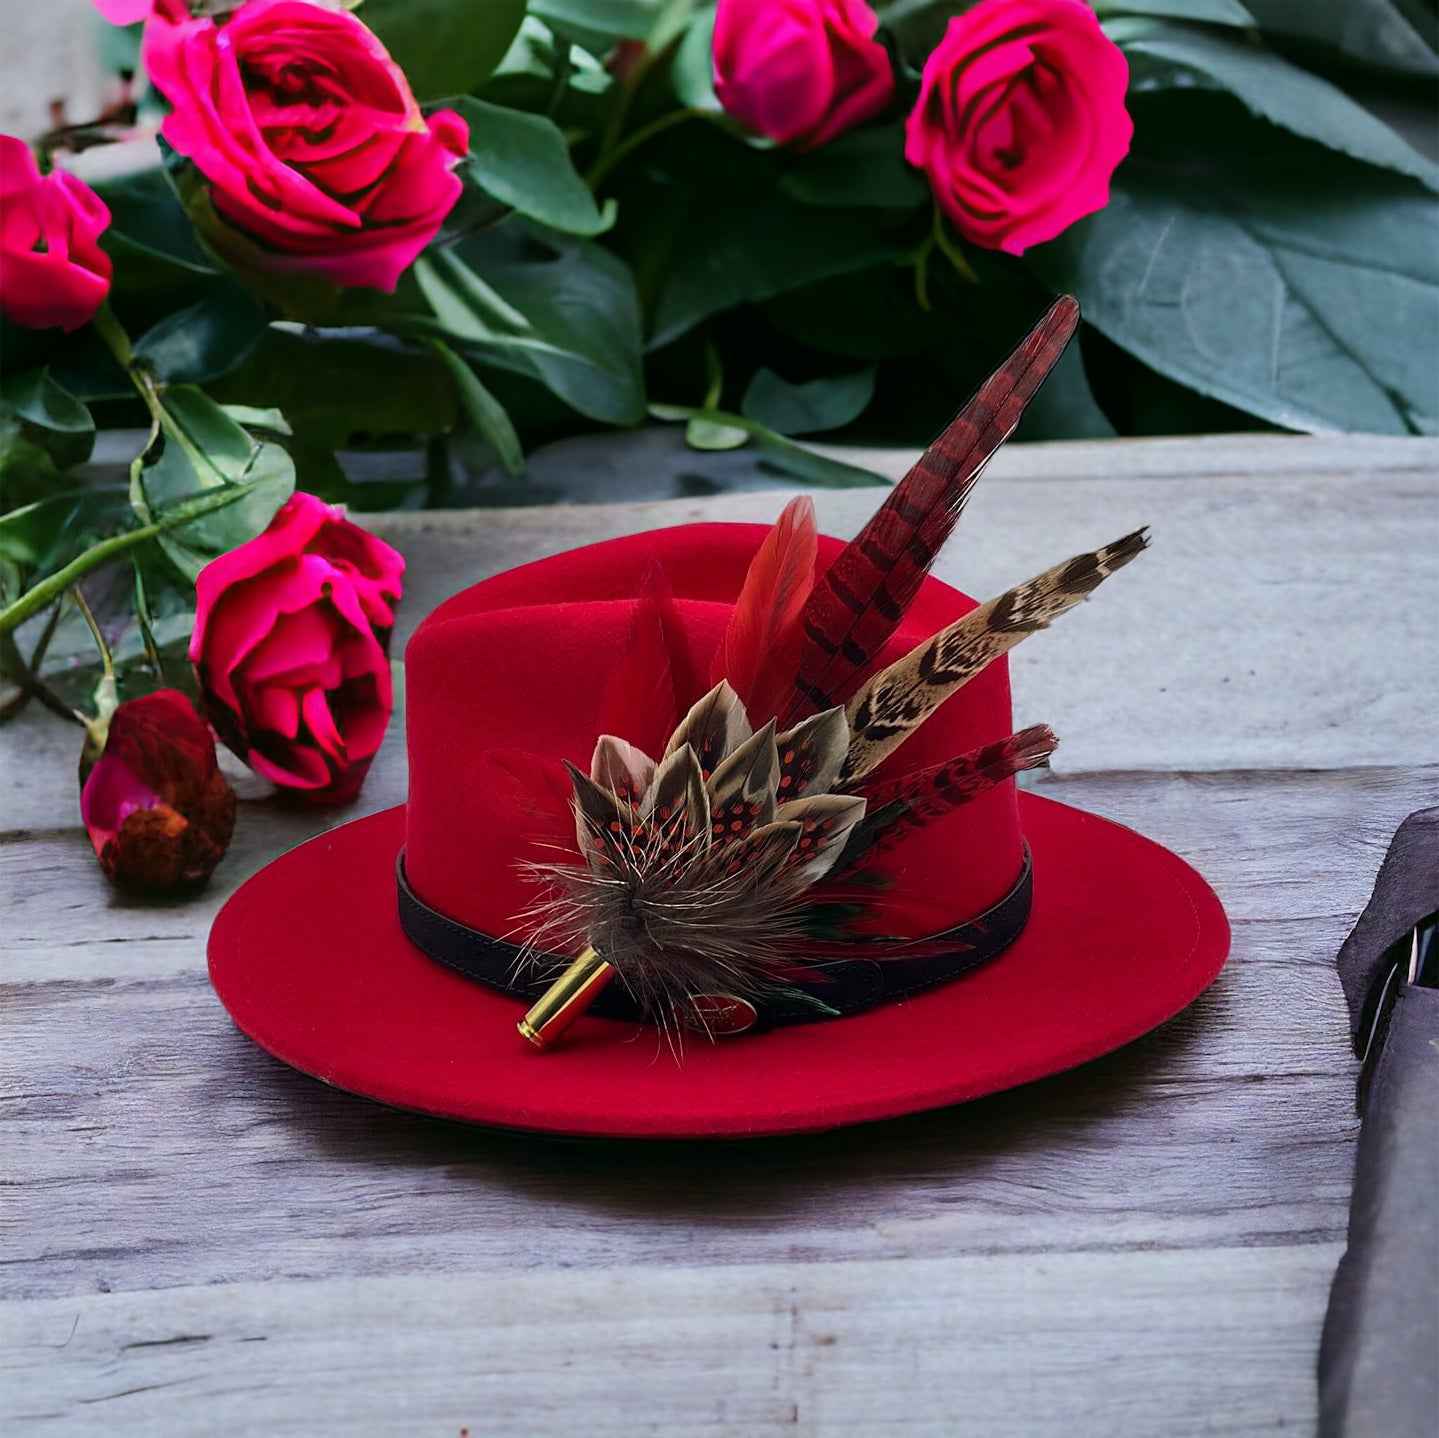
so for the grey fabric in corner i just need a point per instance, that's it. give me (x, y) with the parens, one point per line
(1377, 1364)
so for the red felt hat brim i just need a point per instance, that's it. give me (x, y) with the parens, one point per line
(310, 961)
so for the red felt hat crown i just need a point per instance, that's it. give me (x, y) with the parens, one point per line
(520, 662)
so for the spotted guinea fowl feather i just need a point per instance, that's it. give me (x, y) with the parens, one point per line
(857, 604)
(895, 702)
(716, 725)
(742, 787)
(621, 768)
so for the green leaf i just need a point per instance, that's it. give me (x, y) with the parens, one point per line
(49, 416)
(254, 417)
(267, 482)
(1208, 12)
(467, 307)
(863, 168)
(43, 536)
(44, 431)
(486, 413)
(783, 456)
(445, 47)
(539, 61)
(693, 71)
(1274, 90)
(705, 432)
(49, 587)
(599, 24)
(1312, 308)
(204, 340)
(561, 311)
(343, 390)
(217, 446)
(146, 218)
(755, 247)
(523, 160)
(203, 451)
(818, 404)
(1389, 36)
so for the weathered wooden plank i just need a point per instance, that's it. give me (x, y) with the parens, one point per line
(1099, 1345)
(1187, 457)
(1276, 847)
(175, 1153)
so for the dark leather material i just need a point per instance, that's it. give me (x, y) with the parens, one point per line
(1406, 889)
(847, 986)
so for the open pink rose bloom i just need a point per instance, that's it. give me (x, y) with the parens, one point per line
(158, 810)
(52, 269)
(310, 138)
(1021, 121)
(800, 71)
(291, 647)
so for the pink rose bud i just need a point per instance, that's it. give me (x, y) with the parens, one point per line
(291, 646)
(310, 138)
(52, 269)
(800, 71)
(1021, 121)
(155, 804)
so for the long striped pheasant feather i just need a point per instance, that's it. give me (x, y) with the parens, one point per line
(859, 601)
(896, 701)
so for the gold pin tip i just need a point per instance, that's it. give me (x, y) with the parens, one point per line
(565, 1000)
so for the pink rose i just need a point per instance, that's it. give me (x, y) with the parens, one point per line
(52, 269)
(310, 138)
(291, 644)
(1021, 120)
(157, 808)
(800, 71)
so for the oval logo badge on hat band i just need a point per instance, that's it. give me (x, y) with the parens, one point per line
(721, 1014)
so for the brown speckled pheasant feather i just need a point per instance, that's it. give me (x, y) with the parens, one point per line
(892, 705)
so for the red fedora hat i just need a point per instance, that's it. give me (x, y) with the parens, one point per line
(801, 839)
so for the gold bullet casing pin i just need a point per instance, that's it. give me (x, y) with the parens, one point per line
(566, 999)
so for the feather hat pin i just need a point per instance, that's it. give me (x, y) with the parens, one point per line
(719, 860)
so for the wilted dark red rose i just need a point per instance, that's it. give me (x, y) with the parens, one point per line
(155, 804)
(291, 647)
(52, 269)
(1020, 120)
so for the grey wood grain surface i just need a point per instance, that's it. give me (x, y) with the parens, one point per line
(198, 1240)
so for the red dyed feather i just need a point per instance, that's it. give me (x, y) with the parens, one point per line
(543, 788)
(761, 647)
(640, 703)
(859, 601)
